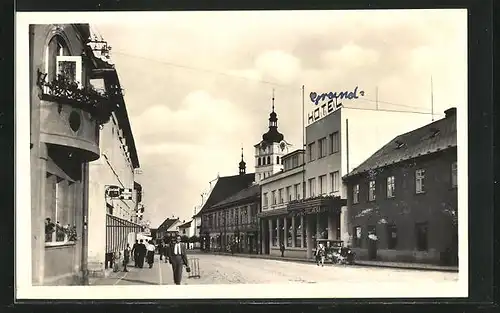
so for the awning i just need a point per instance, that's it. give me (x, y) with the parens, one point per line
(269, 213)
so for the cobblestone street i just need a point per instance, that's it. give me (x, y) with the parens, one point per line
(220, 269)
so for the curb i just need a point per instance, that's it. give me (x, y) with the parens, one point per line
(380, 265)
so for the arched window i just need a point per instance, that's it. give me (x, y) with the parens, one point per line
(268, 160)
(56, 47)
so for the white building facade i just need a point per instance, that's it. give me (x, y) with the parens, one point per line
(113, 216)
(276, 225)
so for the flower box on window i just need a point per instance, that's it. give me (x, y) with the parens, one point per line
(66, 89)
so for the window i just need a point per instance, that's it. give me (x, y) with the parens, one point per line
(312, 187)
(334, 181)
(419, 181)
(356, 238)
(454, 177)
(60, 195)
(280, 195)
(371, 190)
(273, 197)
(312, 151)
(258, 161)
(289, 193)
(268, 160)
(277, 160)
(56, 48)
(322, 148)
(421, 230)
(295, 161)
(265, 200)
(355, 194)
(392, 236)
(297, 191)
(274, 234)
(322, 184)
(390, 187)
(298, 231)
(334, 143)
(289, 232)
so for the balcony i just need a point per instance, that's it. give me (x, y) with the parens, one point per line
(316, 204)
(70, 116)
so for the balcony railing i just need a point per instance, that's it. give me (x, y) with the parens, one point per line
(63, 91)
(316, 202)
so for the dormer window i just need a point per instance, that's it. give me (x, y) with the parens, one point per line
(434, 132)
(399, 144)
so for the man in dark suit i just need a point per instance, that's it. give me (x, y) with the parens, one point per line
(142, 253)
(176, 255)
(135, 253)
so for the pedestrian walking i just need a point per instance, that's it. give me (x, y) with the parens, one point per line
(150, 257)
(135, 253)
(177, 256)
(320, 255)
(126, 257)
(160, 250)
(142, 253)
(282, 249)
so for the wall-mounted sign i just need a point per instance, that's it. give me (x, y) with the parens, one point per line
(329, 102)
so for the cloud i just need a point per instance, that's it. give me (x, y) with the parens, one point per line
(349, 56)
(198, 85)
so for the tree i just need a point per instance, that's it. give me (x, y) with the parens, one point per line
(184, 238)
(194, 239)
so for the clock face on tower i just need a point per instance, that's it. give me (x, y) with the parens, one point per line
(282, 145)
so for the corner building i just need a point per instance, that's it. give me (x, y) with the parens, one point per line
(335, 144)
(65, 116)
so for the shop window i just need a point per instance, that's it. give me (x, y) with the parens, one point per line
(421, 236)
(390, 187)
(419, 181)
(274, 233)
(59, 224)
(371, 190)
(356, 242)
(355, 194)
(392, 236)
(298, 232)
(290, 235)
(454, 177)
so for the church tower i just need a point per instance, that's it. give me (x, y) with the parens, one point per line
(270, 150)
(243, 165)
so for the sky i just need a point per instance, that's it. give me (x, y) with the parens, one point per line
(198, 85)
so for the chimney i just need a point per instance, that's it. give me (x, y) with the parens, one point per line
(451, 112)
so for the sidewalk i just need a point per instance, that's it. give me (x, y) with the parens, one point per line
(386, 264)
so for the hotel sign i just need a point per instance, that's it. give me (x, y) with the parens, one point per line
(327, 103)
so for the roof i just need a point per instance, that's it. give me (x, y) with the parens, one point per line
(168, 223)
(225, 187)
(431, 138)
(185, 225)
(109, 75)
(245, 194)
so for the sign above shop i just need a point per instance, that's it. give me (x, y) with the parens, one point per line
(327, 103)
